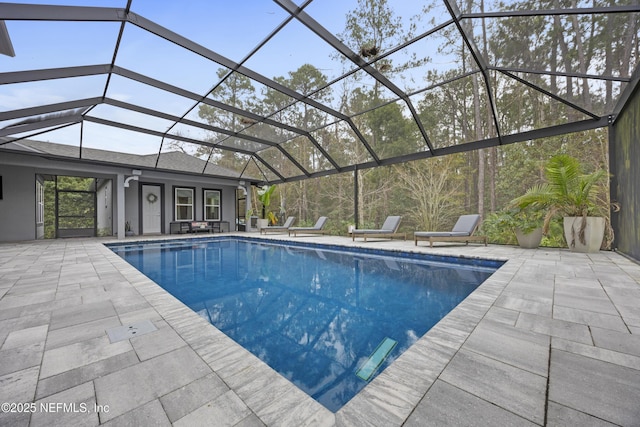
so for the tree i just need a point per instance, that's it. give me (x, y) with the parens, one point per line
(304, 80)
(235, 90)
(371, 29)
(434, 190)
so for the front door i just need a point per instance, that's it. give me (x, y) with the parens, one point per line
(151, 209)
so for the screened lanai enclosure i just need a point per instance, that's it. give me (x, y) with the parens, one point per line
(284, 91)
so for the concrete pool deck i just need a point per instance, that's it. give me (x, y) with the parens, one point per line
(552, 338)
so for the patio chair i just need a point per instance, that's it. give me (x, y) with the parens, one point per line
(318, 228)
(279, 228)
(461, 232)
(388, 230)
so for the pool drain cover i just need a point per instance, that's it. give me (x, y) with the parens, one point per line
(121, 333)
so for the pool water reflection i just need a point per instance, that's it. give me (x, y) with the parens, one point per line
(315, 316)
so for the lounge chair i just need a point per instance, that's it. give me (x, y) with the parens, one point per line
(318, 228)
(388, 230)
(461, 232)
(279, 228)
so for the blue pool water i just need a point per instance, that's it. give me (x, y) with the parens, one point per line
(324, 319)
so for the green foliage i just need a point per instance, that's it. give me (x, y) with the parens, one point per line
(567, 190)
(264, 196)
(49, 210)
(493, 227)
(273, 219)
(525, 220)
(75, 210)
(500, 227)
(431, 193)
(554, 237)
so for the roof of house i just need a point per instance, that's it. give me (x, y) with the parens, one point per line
(172, 161)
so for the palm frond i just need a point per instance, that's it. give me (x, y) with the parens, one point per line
(538, 196)
(563, 174)
(566, 192)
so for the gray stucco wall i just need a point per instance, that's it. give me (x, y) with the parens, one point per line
(624, 146)
(18, 204)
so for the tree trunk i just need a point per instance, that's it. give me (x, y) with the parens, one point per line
(477, 121)
(567, 60)
(583, 59)
(493, 155)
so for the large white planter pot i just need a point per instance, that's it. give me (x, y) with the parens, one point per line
(593, 234)
(262, 223)
(531, 240)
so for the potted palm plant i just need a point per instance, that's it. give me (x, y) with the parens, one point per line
(570, 193)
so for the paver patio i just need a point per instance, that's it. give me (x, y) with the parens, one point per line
(552, 338)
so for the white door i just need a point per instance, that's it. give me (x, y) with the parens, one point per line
(151, 209)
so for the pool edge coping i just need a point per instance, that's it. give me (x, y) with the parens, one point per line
(390, 397)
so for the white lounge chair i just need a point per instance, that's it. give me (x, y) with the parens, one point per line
(461, 232)
(279, 228)
(318, 228)
(388, 230)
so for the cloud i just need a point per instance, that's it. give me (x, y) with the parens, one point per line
(18, 98)
(124, 97)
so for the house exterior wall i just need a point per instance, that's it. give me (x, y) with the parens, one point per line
(17, 208)
(18, 204)
(132, 197)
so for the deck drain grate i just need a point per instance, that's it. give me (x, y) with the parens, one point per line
(124, 332)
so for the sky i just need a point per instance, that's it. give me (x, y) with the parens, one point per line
(229, 28)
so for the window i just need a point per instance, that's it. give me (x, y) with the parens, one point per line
(211, 205)
(184, 204)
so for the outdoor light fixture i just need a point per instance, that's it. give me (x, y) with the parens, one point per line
(126, 181)
(131, 178)
(136, 174)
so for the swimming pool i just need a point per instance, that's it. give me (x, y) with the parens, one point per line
(326, 318)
